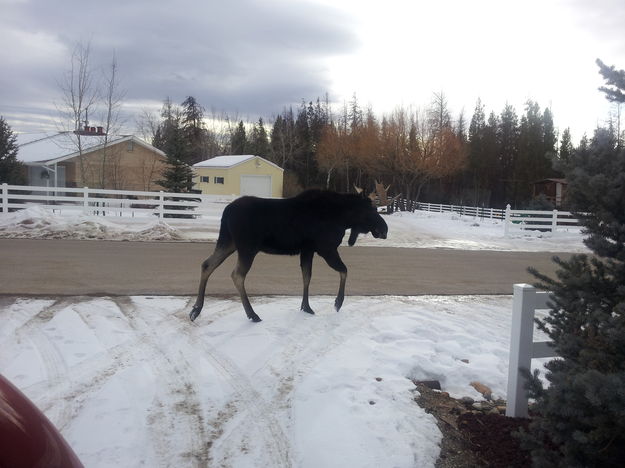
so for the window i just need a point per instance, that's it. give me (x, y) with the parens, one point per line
(130, 145)
(219, 180)
(205, 179)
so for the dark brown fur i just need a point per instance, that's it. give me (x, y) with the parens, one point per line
(313, 222)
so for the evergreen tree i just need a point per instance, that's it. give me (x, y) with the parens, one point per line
(304, 147)
(490, 147)
(283, 140)
(461, 127)
(550, 142)
(169, 138)
(259, 141)
(480, 160)
(197, 139)
(615, 81)
(536, 149)
(508, 151)
(238, 140)
(566, 148)
(579, 418)
(614, 92)
(12, 171)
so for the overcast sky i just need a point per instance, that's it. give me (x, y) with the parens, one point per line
(252, 58)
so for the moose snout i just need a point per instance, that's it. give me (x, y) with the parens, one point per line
(379, 234)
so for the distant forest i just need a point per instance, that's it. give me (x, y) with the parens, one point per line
(426, 155)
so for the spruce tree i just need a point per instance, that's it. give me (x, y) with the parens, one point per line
(615, 81)
(169, 138)
(12, 171)
(566, 147)
(579, 418)
(259, 140)
(238, 140)
(194, 132)
(508, 152)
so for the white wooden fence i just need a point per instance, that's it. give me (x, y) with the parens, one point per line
(100, 202)
(523, 348)
(544, 221)
(475, 211)
(519, 220)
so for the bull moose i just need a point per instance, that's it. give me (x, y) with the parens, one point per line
(313, 221)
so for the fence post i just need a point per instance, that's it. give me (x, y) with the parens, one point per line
(85, 200)
(5, 198)
(521, 343)
(554, 222)
(506, 223)
(161, 205)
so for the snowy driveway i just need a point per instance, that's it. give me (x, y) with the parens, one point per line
(131, 382)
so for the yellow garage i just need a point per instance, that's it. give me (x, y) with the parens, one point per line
(238, 175)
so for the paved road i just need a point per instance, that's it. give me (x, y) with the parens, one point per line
(68, 267)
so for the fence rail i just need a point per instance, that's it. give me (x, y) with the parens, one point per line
(520, 220)
(533, 220)
(523, 348)
(475, 211)
(100, 202)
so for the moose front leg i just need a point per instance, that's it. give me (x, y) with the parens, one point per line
(306, 258)
(334, 261)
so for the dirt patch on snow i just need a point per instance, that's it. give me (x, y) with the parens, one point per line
(471, 437)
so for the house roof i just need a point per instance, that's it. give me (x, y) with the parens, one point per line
(44, 149)
(228, 161)
(560, 181)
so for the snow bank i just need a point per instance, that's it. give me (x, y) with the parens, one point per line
(38, 223)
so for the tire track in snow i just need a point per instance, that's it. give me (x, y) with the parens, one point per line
(260, 413)
(184, 417)
(307, 344)
(317, 336)
(63, 393)
(59, 410)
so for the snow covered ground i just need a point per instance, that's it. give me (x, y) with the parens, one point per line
(417, 230)
(132, 382)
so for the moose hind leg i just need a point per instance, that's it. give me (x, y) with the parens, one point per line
(334, 261)
(306, 259)
(208, 266)
(244, 264)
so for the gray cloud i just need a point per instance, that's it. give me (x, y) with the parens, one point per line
(252, 57)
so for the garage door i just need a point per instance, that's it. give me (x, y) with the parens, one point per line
(259, 186)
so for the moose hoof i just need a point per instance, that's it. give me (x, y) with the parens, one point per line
(255, 318)
(308, 310)
(194, 313)
(338, 304)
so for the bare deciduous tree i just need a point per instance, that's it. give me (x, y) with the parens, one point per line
(78, 98)
(110, 158)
